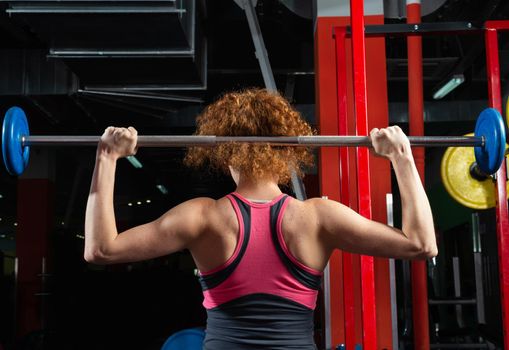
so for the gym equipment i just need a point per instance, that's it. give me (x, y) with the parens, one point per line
(187, 339)
(14, 127)
(491, 126)
(489, 135)
(464, 182)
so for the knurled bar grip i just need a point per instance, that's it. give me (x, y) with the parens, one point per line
(309, 141)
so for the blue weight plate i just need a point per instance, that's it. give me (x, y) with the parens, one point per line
(490, 125)
(189, 339)
(14, 126)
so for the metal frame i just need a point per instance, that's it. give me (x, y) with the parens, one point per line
(458, 301)
(392, 273)
(418, 276)
(96, 8)
(91, 9)
(369, 336)
(94, 53)
(260, 50)
(420, 28)
(93, 6)
(344, 164)
(142, 95)
(478, 269)
(491, 29)
(495, 101)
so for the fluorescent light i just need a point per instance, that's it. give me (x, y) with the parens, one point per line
(130, 204)
(139, 203)
(135, 162)
(148, 201)
(162, 188)
(1, 196)
(452, 84)
(15, 224)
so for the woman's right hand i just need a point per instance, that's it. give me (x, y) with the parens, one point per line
(118, 142)
(390, 142)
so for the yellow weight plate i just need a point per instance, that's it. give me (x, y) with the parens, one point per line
(455, 171)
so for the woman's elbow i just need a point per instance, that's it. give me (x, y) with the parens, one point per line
(429, 252)
(423, 244)
(423, 252)
(95, 256)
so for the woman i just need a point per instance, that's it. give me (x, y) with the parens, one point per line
(260, 253)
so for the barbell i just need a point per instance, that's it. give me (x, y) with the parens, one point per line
(488, 141)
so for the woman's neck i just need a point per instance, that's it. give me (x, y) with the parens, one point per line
(258, 190)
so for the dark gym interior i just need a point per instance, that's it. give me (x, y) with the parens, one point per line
(77, 67)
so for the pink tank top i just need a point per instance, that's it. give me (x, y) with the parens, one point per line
(261, 263)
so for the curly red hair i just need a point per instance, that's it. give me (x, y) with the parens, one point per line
(252, 112)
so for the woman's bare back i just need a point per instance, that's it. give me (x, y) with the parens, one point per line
(299, 228)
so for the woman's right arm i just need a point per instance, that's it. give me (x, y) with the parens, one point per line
(340, 227)
(175, 230)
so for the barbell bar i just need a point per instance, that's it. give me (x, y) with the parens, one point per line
(488, 141)
(211, 141)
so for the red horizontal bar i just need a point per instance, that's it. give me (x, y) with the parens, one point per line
(498, 25)
(380, 30)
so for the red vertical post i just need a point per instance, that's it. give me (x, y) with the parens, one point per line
(328, 161)
(363, 176)
(416, 121)
(348, 277)
(495, 101)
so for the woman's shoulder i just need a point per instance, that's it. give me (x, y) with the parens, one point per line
(302, 212)
(312, 211)
(307, 204)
